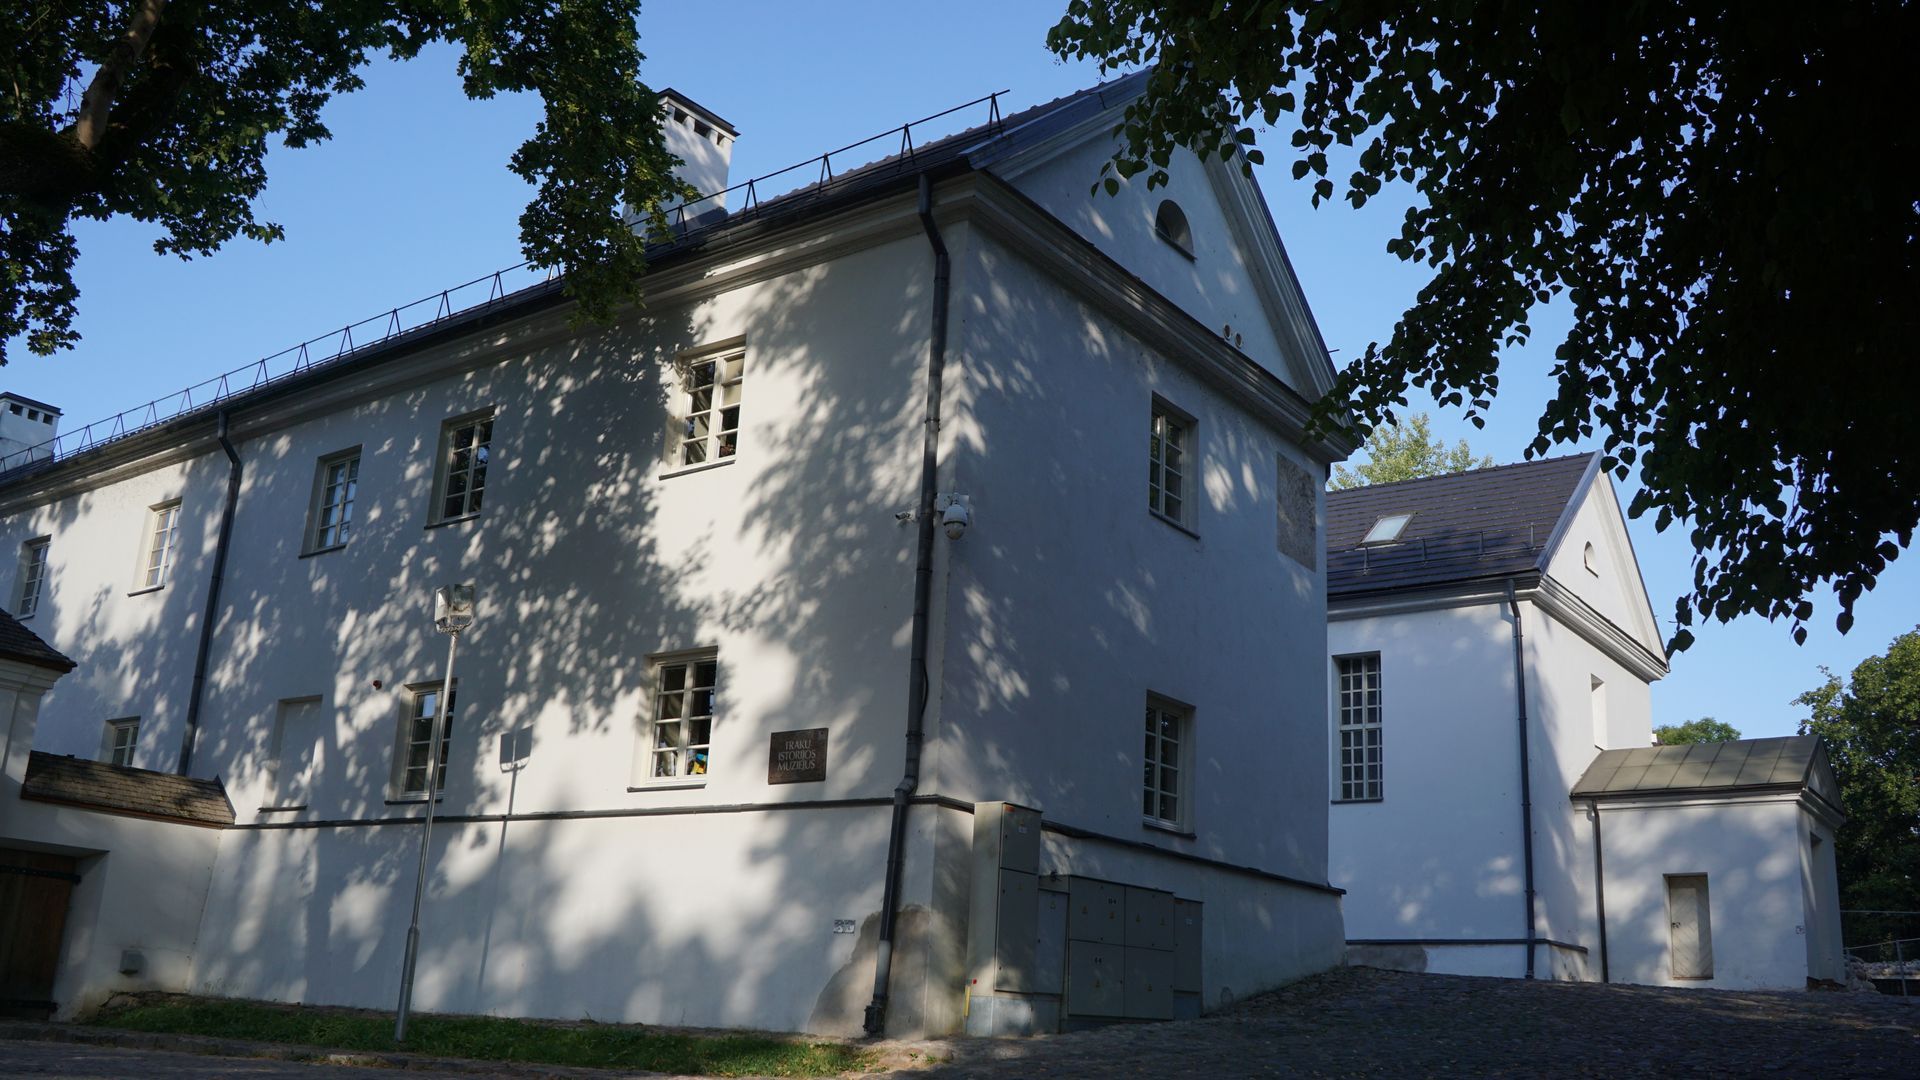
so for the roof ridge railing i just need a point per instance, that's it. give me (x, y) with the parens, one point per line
(1464, 546)
(337, 345)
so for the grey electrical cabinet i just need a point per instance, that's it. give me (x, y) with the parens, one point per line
(1003, 926)
(1187, 998)
(1098, 911)
(1096, 979)
(1120, 951)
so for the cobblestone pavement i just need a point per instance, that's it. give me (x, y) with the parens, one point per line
(1359, 1022)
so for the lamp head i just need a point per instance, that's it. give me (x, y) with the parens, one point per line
(452, 608)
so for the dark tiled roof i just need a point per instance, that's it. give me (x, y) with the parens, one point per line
(1786, 762)
(1487, 523)
(118, 789)
(19, 643)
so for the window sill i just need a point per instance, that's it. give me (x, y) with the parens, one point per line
(1156, 825)
(413, 800)
(1165, 520)
(323, 551)
(292, 809)
(461, 520)
(676, 784)
(22, 618)
(1344, 802)
(705, 466)
(148, 589)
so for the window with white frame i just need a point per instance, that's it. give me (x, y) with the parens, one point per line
(707, 416)
(416, 746)
(33, 577)
(1163, 799)
(1167, 463)
(335, 486)
(680, 733)
(163, 536)
(466, 449)
(121, 737)
(1359, 727)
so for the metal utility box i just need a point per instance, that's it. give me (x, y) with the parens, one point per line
(1096, 979)
(1050, 951)
(1149, 919)
(1003, 926)
(1148, 984)
(1186, 945)
(1097, 912)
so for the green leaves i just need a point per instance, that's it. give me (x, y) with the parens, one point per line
(188, 133)
(1724, 207)
(1407, 451)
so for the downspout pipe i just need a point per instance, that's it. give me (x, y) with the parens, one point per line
(917, 680)
(1599, 888)
(213, 595)
(1526, 766)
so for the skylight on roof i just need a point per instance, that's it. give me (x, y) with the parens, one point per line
(1387, 529)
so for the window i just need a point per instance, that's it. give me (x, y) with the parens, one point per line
(162, 538)
(681, 735)
(423, 707)
(1163, 794)
(1170, 224)
(1359, 724)
(33, 576)
(465, 451)
(296, 753)
(707, 424)
(1387, 530)
(121, 737)
(1167, 463)
(334, 489)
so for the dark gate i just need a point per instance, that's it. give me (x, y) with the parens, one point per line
(34, 890)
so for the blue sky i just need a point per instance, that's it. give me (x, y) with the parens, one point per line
(413, 195)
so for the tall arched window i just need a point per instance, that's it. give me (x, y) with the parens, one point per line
(1170, 224)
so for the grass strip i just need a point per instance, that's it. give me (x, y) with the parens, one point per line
(611, 1046)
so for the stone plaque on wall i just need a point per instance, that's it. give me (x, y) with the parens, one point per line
(798, 757)
(1297, 498)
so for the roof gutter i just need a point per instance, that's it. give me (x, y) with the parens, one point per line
(205, 649)
(1526, 766)
(918, 690)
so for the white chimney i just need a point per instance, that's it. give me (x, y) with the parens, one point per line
(27, 428)
(704, 144)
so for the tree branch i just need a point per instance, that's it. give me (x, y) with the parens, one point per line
(120, 61)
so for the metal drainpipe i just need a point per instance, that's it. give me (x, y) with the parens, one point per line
(917, 681)
(1599, 888)
(213, 595)
(1526, 766)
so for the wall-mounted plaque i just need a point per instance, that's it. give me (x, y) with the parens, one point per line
(798, 757)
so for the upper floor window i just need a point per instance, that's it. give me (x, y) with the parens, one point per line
(416, 746)
(1359, 727)
(681, 736)
(1170, 224)
(33, 577)
(466, 449)
(334, 490)
(120, 738)
(1167, 463)
(1163, 799)
(707, 416)
(163, 536)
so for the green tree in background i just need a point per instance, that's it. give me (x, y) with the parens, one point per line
(1719, 195)
(1704, 730)
(163, 112)
(1872, 730)
(1407, 451)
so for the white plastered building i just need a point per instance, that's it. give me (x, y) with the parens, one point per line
(703, 701)
(1497, 805)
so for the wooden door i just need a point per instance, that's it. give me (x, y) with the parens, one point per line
(34, 890)
(1691, 929)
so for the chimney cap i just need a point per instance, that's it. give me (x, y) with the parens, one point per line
(30, 403)
(692, 106)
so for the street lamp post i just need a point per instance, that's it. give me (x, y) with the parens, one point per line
(452, 613)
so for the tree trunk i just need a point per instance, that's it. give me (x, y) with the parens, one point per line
(97, 103)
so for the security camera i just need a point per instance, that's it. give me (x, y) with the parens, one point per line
(955, 515)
